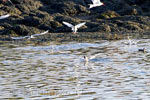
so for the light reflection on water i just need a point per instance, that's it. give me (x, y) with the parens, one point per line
(57, 71)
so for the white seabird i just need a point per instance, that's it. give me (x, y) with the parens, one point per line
(4, 16)
(74, 28)
(96, 3)
(22, 37)
(87, 59)
(29, 37)
(130, 42)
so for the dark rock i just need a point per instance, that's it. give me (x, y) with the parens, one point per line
(108, 14)
(45, 27)
(26, 6)
(31, 16)
(30, 21)
(82, 10)
(20, 30)
(105, 28)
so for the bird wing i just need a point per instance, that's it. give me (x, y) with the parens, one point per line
(134, 42)
(79, 25)
(40, 33)
(93, 1)
(96, 1)
(92, 57)
(68, 24)
(21, 37)
(4, 16)
(45, 32)
(10, 2)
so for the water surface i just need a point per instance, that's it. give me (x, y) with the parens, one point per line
(57, 71)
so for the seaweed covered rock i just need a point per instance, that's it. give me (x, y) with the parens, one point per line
(26, 6)
(31, 16)
(108, 14)
(20, 30)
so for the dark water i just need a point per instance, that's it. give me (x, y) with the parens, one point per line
(57, 71)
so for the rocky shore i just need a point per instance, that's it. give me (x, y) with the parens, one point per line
(34, 16)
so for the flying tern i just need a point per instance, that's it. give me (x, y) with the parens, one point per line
(29, 37)
(96, 3)
(74, 28)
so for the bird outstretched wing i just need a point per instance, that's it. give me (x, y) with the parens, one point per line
(94, 56)
(21, 37)
(10, 2)
(93, 1)
(96, 1)
(79, 25)
(68, 24)
(4, 16)
(40, 33)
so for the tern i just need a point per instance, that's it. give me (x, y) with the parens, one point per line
(4, 16)
(74, 28)
(87, 59)
(130, 42)
(96, 3)
(22, 37)
(29, 37)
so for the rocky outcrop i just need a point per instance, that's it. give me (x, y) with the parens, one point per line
(31, 16)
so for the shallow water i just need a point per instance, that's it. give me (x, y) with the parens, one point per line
(57, 71)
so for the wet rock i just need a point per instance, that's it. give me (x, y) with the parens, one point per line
(108, 14)
(5, 28)
(45, 27)
(28, 5)
(31, 16)
(132, 11)
(48, 2)
(68, 8)
(20, 30)
(23, 30)
(55, 24)
(92, 27)
(144, 27)
(1, 27)
(138, 2)
(105, 28)
(132, 26)
(30, 21)
(10, 10)
(65, 8)
(82, 10)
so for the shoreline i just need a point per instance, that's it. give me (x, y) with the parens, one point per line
(80, 36)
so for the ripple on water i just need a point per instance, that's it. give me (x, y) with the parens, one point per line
(56, 71)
